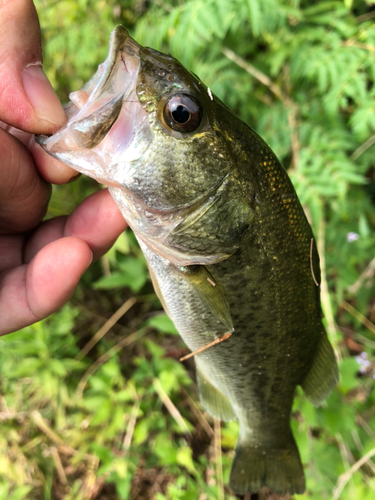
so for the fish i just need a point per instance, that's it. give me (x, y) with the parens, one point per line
(231, 254)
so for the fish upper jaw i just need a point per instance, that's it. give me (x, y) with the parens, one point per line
(107, 126)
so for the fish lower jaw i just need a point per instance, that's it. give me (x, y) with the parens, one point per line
(178, 258)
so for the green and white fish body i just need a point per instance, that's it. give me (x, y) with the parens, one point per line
(226, 240)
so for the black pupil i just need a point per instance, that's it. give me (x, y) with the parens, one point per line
(181, 114)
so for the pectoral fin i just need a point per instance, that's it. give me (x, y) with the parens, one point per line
(213, 401)
(209, 292)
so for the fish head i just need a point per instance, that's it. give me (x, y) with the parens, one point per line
(151, 131)
(104, 116)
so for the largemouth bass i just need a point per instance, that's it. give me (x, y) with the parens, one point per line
(226, 240)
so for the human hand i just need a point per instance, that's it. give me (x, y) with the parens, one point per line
(40, 262)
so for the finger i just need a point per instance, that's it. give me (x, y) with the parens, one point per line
(11, 251)
(27, 100)
(50, 169)
(24, 195)
(49, 231)
(32, 292)
(97, 221)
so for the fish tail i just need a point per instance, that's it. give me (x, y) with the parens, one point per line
(278, 468)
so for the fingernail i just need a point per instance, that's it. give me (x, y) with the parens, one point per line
(42, 96)
(74, 178)
(89, 264)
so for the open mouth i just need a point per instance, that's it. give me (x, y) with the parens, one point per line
(103, 114)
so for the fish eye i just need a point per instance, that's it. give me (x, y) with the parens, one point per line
(182, 113)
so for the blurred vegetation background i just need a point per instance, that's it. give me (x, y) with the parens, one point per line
(98, 409)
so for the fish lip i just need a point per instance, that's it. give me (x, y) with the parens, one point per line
(111, 86)
(119, 40)
(42, 139)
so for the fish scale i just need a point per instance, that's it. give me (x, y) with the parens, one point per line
(226, 240)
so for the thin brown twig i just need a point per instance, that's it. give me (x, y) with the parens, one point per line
(365, 17)
(13, 415)
(357, 439)
(253, 71)
(218, 459)
(168, 403)
(293, 118)
(365, 322)
(46, 429)
(59, 466)
(293, 122)
(345, 477)
(89, 484)
(367, 274)
(92, 485)
(359, 45)
(131, 425)
(289, 104)
(106, 357)
(214, 342)
(359, 446)
(344, 452)
(201, 418)
(106, 327)
(357, 337)
(32, 444)
(364, 147)
(326, 300)
(365, 426)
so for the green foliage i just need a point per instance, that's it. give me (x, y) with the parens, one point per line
(163, 324)
(123, 421)
(129, 272)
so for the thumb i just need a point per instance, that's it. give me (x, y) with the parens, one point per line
(27, 100)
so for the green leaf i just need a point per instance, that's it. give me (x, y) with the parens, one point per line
(162, 323)
(133, 274)
(21, 493)
(141, 431)
(165, 449)
(348, 374)
(184, 457)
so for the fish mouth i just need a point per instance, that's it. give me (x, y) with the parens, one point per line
(106, 103)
